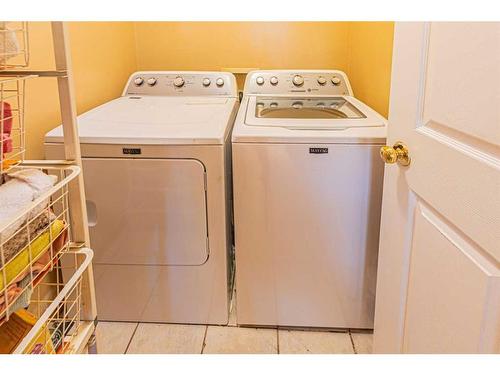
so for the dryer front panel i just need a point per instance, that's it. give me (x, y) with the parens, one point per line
(147, 211)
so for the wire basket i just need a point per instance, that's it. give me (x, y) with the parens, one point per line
(14, 44)
(56, 305)
(33, 238)
(12, 129)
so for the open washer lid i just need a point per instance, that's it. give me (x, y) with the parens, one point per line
(310, 113)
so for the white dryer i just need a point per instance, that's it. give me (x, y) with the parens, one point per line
(156, 165)
(307, 182)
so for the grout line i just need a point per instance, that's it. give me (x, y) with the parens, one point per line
(352, 343)
(278, 340)
(204, 339)
(131, 337)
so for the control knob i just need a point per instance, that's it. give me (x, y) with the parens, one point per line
(206, 82)
(336, 80)
(219, 82)
(273, 80)
(321, 80)
(152, 81)
(138, 81)
(178, 82)
(259, 80)
(298, 80)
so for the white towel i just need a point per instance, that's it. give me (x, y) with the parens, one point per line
(35, 178)
(22, 188)
(9, 45)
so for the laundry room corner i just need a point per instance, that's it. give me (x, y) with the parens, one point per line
(103, 56)
(370, 60)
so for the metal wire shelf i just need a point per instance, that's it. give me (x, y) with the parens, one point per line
(12, 127)
(57, 306)
(62, 300)
(33, 239)
(14, 44)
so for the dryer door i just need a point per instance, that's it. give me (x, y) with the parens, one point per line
(147, 211)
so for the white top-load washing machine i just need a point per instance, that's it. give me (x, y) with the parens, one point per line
(307, 180)
(156, 164)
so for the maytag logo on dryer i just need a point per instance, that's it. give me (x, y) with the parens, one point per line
(318, 150)
(131, 151)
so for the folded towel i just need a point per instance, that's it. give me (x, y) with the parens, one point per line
(16, 268)
(6, 141)
(21, 238)
(35, 178)
(19, 290)
(12, 292)
(16, 195)
(5, 118)
(20, 293)
(9, 45)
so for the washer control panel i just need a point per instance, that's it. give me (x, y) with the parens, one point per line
(308, 82)
(182, 83)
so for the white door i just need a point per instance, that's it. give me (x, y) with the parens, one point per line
(438, 288)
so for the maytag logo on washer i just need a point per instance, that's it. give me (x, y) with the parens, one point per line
(131, 151)
(318, 150)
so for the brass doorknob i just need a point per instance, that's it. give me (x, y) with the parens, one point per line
(397, 153)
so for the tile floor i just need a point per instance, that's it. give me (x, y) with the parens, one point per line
(134, 338)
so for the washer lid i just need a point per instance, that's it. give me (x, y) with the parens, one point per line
(155, 120)
(310, 113)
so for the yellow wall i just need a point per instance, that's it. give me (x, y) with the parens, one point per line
(370, 57)
(362, 49)
(265, 45)
(103, 57)
(259, 45)
(106, 53)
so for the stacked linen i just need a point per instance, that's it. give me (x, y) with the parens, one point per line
(25, 235)
(9, 45)
(5, 128)
(9, 48)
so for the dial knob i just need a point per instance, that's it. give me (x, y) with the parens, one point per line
(152, 81)
(178, 82)
(206, 82)
(336, 80)
(298, 80)
(321, 80)
(138, 81)
(219, 82)
(259, 80)
(273, 80)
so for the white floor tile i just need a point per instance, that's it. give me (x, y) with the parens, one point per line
(363, 342)
(167, 339)
(113, 337)
(310, 342)
(237, 340)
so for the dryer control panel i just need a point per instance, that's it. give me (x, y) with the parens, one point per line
(182, 83)
(303, 82)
